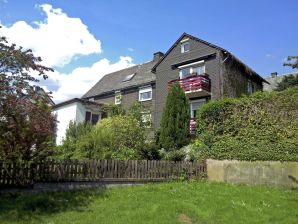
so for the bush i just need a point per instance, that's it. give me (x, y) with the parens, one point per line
(118, 134)
(118, 137)
(77, 142)
(263, 126)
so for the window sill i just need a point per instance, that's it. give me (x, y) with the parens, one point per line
(145, 100)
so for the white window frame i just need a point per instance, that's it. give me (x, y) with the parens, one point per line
(191, 105)
(145, 90)
(118, 97)
(191, 67)
(183, 45)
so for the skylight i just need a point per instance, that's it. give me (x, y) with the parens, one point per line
(128, 77)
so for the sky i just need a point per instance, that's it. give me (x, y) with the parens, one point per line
(84, 40)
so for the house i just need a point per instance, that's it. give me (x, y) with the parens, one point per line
(274, 79)
(204, 71)
(77, 110)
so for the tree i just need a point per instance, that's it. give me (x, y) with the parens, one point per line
(26, 123)
(292, 61)
(111, 110)
(174, 130)
(287, 81)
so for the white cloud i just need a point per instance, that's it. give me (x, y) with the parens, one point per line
(130, 49)
(60, 39)
(81, 79)
(269, 56)
(57, 39)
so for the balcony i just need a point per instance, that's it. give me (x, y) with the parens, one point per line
(194, 85)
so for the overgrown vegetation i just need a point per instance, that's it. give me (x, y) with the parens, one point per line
(26, 123)
(287, 82)
(119, 136)
(263, 126)
(176, 202)
(174, 127)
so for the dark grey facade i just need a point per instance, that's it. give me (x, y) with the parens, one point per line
(105, 91)
(228, 75)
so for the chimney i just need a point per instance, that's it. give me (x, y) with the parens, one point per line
(157, 55)
(273, 74)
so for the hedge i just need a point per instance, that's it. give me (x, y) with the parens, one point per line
(263, 126)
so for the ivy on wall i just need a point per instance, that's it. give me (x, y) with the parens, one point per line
(263, 126)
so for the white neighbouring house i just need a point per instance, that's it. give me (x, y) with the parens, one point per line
(77, 110)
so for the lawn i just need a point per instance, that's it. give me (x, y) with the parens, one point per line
(177, 202)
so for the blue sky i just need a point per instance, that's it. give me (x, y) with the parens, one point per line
(261, 33)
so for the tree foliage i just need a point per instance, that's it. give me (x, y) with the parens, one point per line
(118, 137)
(174, 129)
(287, 81)
(26, 123)
(292, 61)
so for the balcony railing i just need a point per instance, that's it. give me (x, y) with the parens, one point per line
(192, 126)
(193, 83)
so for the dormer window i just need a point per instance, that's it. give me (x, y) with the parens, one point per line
(185, 47)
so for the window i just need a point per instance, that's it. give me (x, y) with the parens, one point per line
(184, 73)
(191, 69)
(118, 97)
(145, 94)
(199, 70)
(87, 116)
(194, 106)
(92, 118)
(185, 47)
(249, 87)
(146, 119)
(128, 77)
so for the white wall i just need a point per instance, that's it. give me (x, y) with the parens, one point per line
(71, 112)
(80, 113)
(64, 115)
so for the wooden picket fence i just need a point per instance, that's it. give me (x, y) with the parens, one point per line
(24, 174)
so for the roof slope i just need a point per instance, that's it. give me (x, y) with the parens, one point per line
(211, 45)
(114, 81)
(273, 81)
(74, 100)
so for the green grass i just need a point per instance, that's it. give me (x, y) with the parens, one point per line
(178, 202)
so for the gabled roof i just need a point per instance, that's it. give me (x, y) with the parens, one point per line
(211, 45)
(115, 81)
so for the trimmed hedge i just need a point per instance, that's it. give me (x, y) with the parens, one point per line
(263, 126)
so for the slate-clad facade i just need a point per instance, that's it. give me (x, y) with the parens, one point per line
(228, 76)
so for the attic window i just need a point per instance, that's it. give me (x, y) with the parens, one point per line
(128, 77)
(185, 47)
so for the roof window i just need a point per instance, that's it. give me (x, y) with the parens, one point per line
(128, 77)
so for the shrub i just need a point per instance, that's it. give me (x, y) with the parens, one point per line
(119, 134)
(76, 143)
(287, 81)
(263, 126)
(174, 128)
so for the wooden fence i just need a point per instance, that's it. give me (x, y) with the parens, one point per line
(23, 174)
